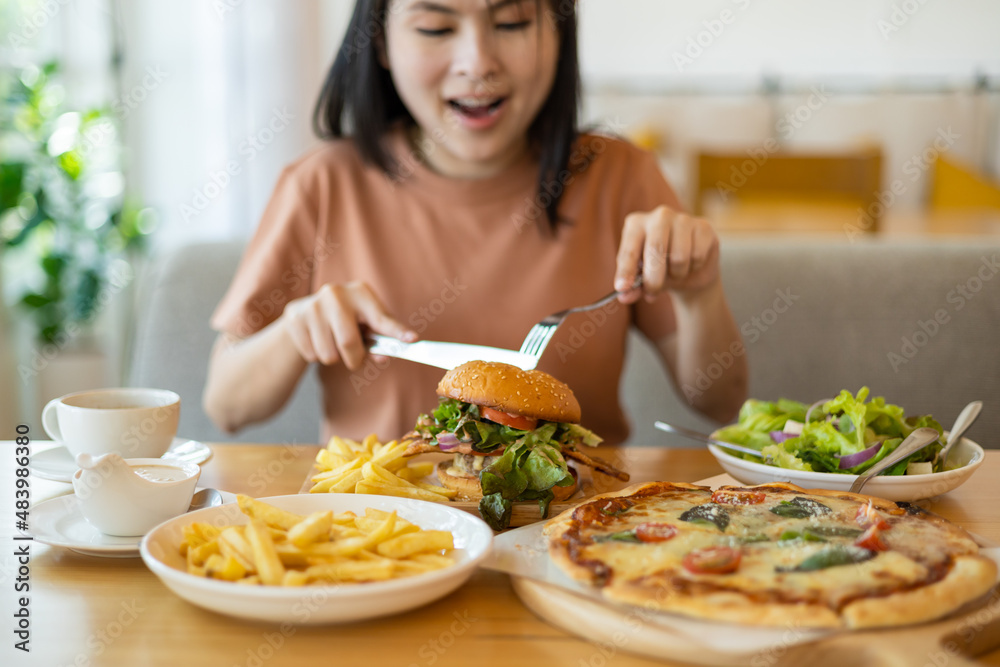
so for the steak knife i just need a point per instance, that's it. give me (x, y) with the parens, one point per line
(446, 355)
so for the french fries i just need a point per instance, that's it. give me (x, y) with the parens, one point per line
(348, 466)
(279, 548)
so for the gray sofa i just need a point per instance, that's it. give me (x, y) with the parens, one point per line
(915, 321)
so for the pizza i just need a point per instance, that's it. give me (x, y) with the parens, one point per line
(774, 554)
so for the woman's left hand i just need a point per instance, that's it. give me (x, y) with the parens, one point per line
(675, 251)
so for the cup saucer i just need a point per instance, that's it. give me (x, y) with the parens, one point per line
(57, 464)
(59, 523)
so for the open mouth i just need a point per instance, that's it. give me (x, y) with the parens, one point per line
(477, 108)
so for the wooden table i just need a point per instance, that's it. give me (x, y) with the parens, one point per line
(102, 611)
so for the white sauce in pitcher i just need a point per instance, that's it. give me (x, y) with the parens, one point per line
(155, 473)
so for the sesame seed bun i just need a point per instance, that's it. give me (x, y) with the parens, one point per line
(509, 389)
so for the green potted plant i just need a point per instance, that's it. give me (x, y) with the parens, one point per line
(66, 230)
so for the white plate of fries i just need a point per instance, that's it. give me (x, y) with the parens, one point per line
(314, 559)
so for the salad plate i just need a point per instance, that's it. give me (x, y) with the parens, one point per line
(828, 444)
(964, 459)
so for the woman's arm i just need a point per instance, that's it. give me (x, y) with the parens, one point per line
(706, 357)
(251, 379)
(680, 253)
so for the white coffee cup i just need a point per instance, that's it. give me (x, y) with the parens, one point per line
(135, 423)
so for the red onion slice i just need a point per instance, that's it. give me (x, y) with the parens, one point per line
(447, 441)
(858, 458)
(780, 436)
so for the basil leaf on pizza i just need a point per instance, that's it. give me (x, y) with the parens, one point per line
(836, 555)
(709, 513)
(800, 508)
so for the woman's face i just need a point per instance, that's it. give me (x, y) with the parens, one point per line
(473, 75)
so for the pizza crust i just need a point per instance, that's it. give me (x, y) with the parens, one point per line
(969, 578)
(729, 607)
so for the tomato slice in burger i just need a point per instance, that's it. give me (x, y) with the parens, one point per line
(738, 497)
(712, 560)
(655, 532)
(507, 419)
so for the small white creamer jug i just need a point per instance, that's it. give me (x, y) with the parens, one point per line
(128, 497)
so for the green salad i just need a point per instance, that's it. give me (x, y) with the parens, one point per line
(844, 435)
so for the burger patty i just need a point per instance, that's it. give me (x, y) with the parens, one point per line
(471, 464)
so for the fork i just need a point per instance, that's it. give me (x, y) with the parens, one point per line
(540, 334)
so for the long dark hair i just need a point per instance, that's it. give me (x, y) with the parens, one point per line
(358, 92)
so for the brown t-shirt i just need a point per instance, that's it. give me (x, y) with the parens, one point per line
(457, 260)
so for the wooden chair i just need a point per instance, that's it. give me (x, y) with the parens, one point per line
(850, 181)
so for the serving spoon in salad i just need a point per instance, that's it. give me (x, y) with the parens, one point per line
(965, 419)
(917, 440)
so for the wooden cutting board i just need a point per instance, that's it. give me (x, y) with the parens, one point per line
(971, 631)
(947, 643)
(523, 513)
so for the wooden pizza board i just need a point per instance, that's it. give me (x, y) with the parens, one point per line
(971, 631)
(523, 513)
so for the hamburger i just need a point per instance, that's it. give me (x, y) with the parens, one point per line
(510, 433)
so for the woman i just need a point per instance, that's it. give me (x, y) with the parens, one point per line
(455, 200)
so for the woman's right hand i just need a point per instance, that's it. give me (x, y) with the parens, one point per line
(325, 326)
